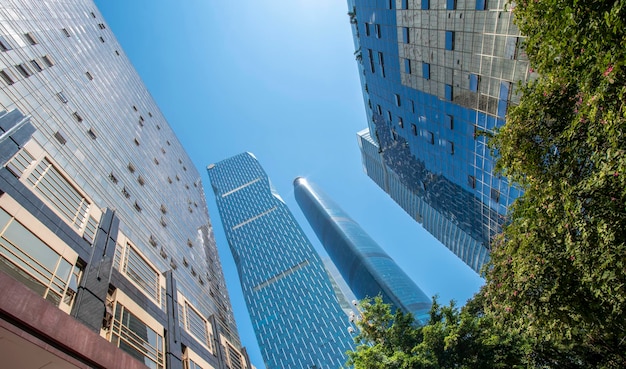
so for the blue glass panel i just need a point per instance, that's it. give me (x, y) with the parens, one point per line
(449, 40)
(405, 4)
(448, 92)
(473, 86)
(426, 70)
(425, 4)
(480, 4)
(450, 4)
(405, 35)
(407, 66)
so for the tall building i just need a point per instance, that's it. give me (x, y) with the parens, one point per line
(435, 75)
(294, 310)
(104, 229)
(364, 265)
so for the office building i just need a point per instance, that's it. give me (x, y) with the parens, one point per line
(104, 230)
(363, 264)
(436, 75)
(294, 310)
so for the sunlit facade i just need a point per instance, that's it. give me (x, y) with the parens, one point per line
(102, 212)
(435, 74)
(364, 265)
(296, 316)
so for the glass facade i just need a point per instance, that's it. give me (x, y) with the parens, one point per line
(471, 57)
(364, 265)
(294, 311)
(95, 182)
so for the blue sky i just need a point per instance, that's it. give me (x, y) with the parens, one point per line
(279, 79)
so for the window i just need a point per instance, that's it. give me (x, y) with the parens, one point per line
(388, 115)
(405, 35)
(60, 138)
(24, 71)
(156, 161)
(448, 92)
(113, 178)
(125, 193)
(400, 122)
(414, 129)
(150, 114)
(65, 32)
(450, 146)
(473, 82)
(134, 108)
(6, 77)
(117, 53)
(101, 39)
(47, 61)
(4, 45)
(62, 97)
(495, 194)
(449, 40)
(397, 98)
(407, 66)
(131, 167)
(425, 70)
(36, 65)
(20, 163)
(136, 142)
(481, 4)
(101, 25)
(430, 137)
(425, 4)
(141, 180)
(405, 4)
(47, 181)
(367, 29)
(451, 4)
(30, 38)
(449, 121)
(377, 30)
(136, 338)
(471, 181)
(93, 14)
(137, 207)
(370, 54)
(37, 265)
(89, 76)
(91, 134)
(412, 106)
(390, 4)
(379, 110)
(77, 117)
(381, 61)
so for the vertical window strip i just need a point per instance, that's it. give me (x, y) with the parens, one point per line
(20, 163)
(196, 325)
(90, 229)
(138, 270)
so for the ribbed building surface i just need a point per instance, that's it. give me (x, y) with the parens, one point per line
(294, 311)
(364, 265)
(102, 212)
(435, 74)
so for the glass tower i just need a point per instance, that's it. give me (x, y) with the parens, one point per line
(293, 307)
(102, 212)
(364, 265)
(436, 75)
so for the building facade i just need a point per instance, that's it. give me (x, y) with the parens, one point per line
(104, 229)
(294, 310)
(436, 74)
(363, 264)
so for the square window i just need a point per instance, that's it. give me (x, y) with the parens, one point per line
(425, 4)
(47, 61)
(425, 70)
(4, 45)
(36, 65)
(30, 38)
(407, 66)
(24, 71)
(6, 77)
(449, 40)
(405, 35)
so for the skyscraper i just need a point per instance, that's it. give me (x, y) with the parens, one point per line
(104, 229)
(294, 311)
(364, 265)
(435, 75)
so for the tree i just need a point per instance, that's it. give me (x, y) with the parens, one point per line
(453, 338)
(558, 271)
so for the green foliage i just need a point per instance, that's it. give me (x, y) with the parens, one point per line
(453, 338)
(558, 272)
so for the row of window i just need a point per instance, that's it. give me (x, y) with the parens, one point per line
(26, 69)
